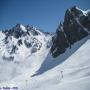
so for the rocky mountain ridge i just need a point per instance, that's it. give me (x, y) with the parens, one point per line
(76, 26)
(22, 39)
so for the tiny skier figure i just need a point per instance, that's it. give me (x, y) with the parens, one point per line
(61, 74)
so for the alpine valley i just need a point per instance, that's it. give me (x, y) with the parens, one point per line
(31, 59)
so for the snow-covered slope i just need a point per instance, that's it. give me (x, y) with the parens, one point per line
(26, 62)
(71, 74)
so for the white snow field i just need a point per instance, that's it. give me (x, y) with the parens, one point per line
(40, 71)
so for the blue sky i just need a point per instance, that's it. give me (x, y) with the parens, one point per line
(44, 14)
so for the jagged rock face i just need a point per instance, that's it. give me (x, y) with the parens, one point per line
(59, 43)
(73, 28)
(21, 41)
(76, 26)
(20, 31)
(85, 21)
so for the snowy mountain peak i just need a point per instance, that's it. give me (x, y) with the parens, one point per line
(21, 27)
(22, 41)
(77, 12)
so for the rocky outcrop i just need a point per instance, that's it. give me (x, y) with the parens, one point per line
(76, 26)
